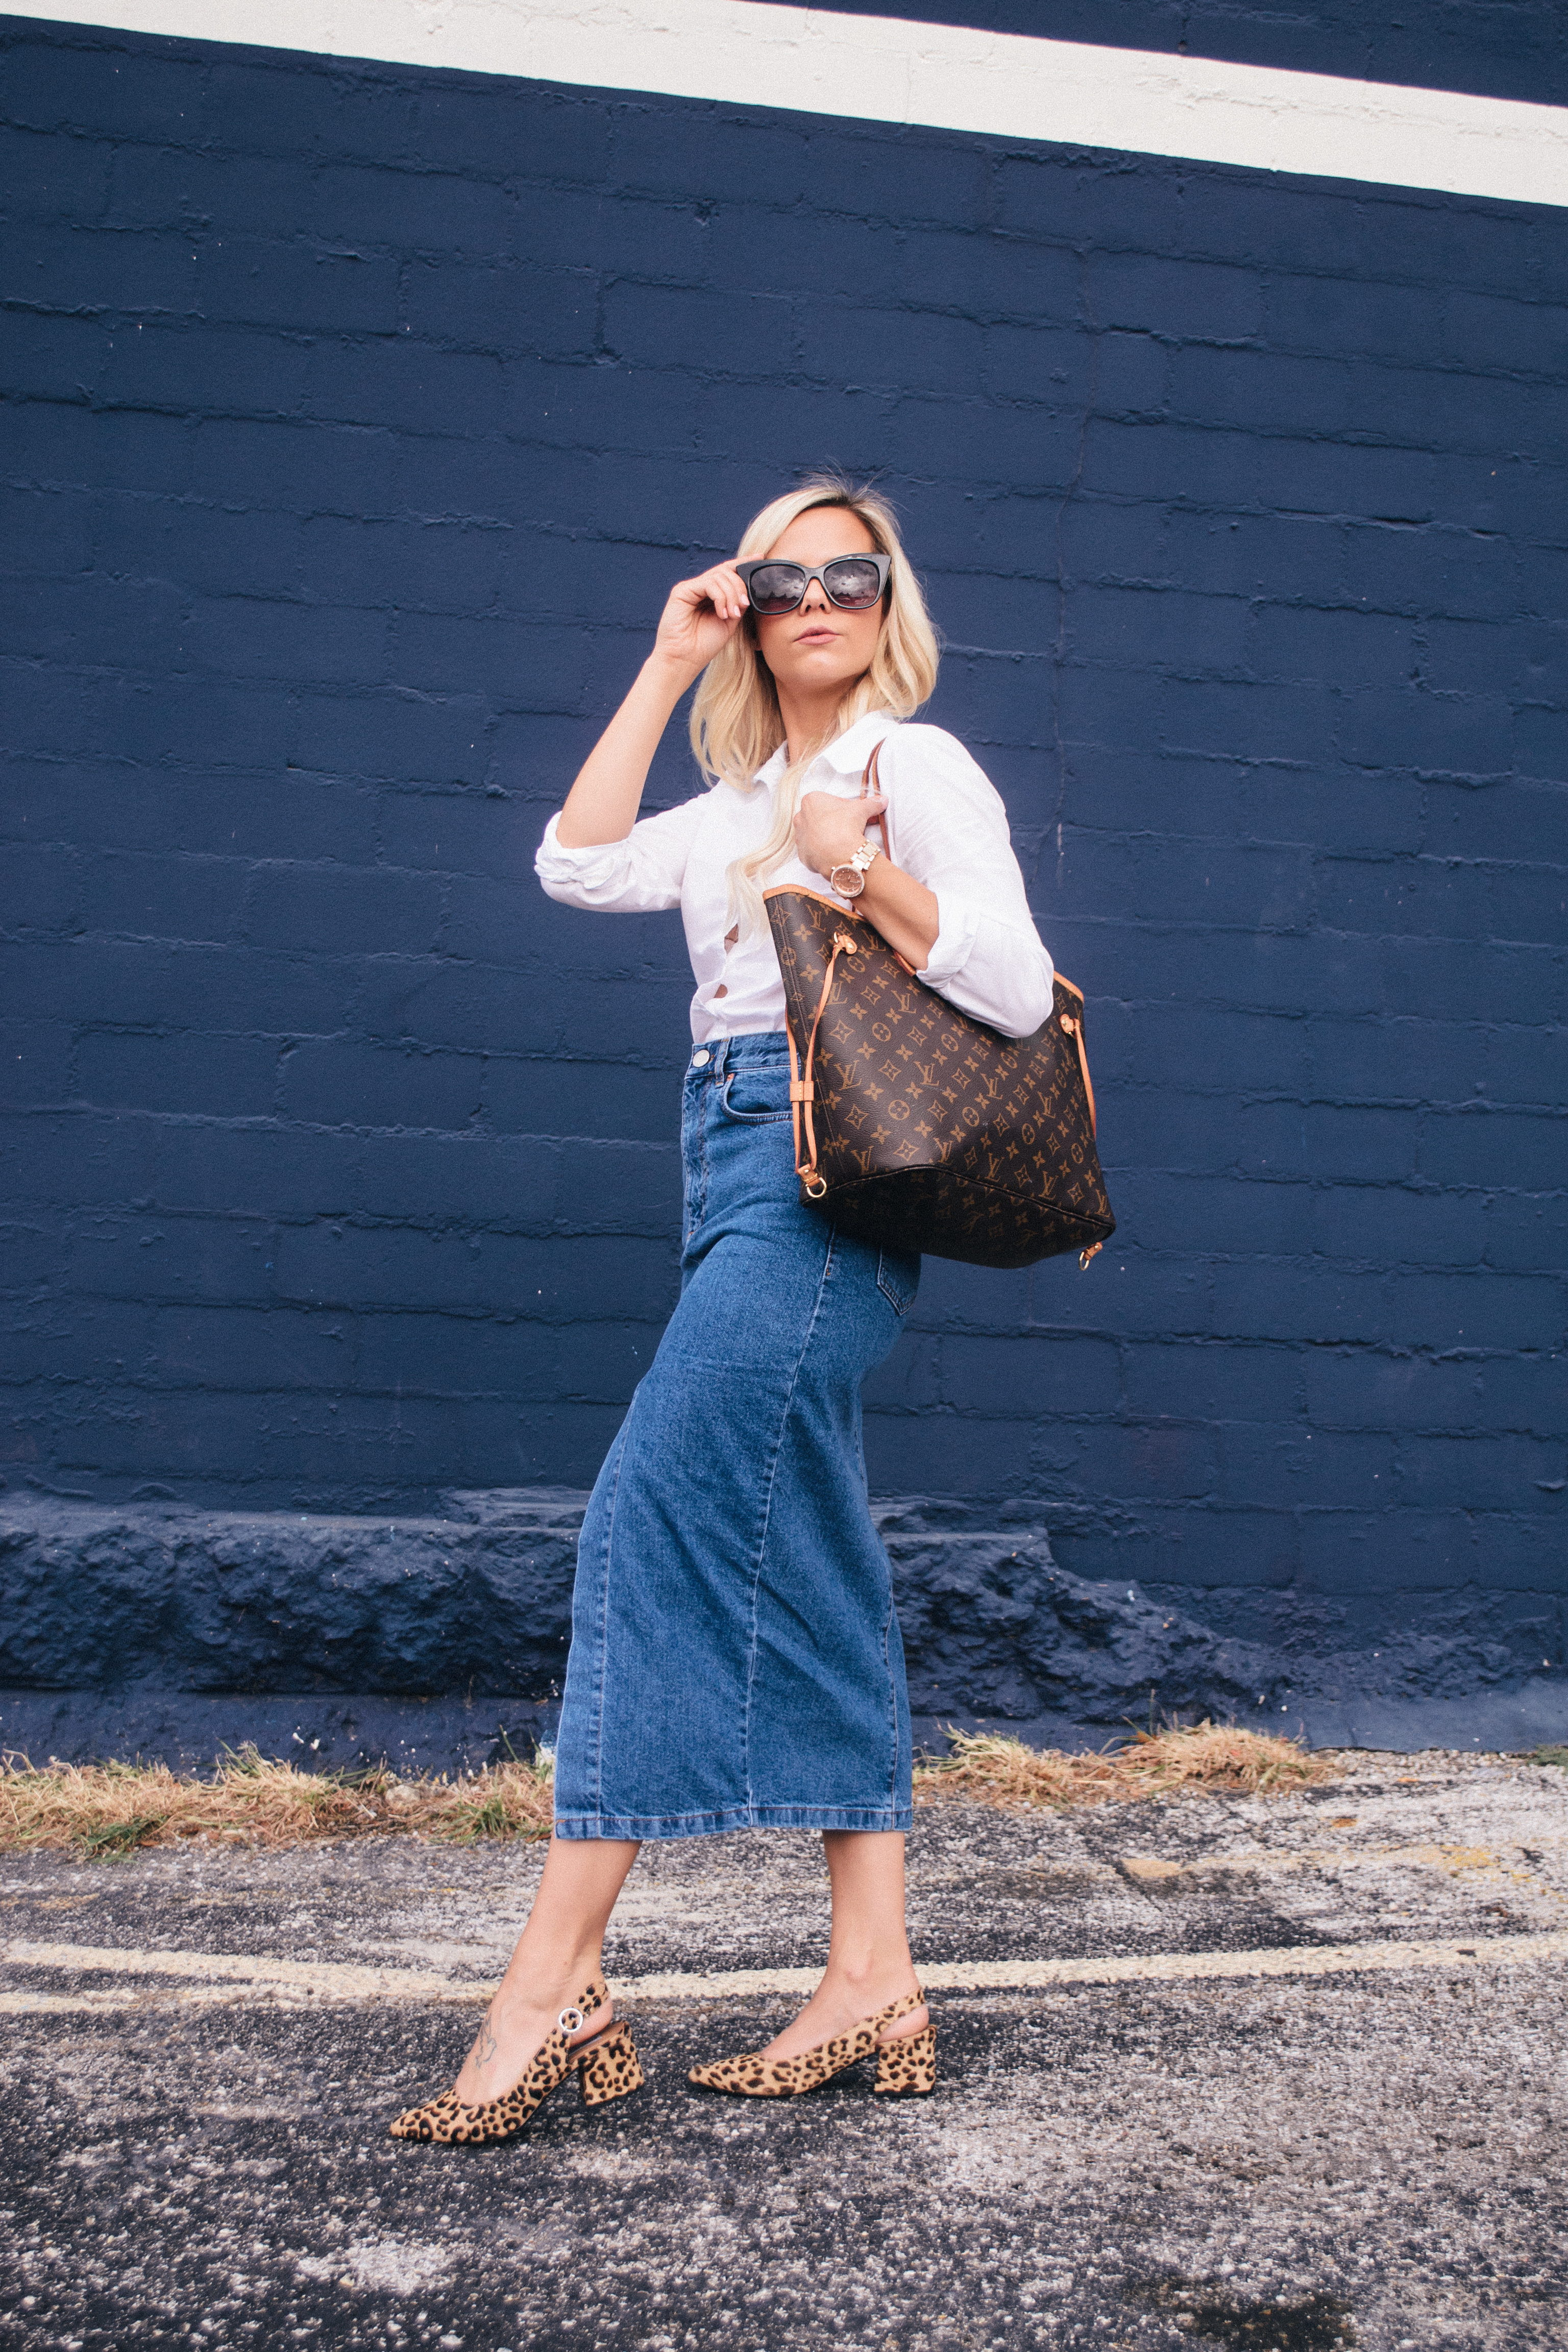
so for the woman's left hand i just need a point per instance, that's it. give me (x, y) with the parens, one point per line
(828, 830)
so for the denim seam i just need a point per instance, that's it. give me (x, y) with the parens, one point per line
(587, 1826)
(892, 1692)
(750, 1117)
(700, 1122)
(768, 1500)
(602, 1645)
(901, 1306)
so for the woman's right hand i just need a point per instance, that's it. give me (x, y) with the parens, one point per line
(700, 618)
(699, 621)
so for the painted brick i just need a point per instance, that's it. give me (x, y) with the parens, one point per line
(499, 307)
(1030, 1379)
(221, 1260)
(1191, 301)
(163, 897)
(97, 269)
(1483, 1148)
(228, 1077)
(1476, 1310)
(357, 554)
(1381, 1226)
(511, 1182)
(298, 287)
(330, 1083)
(1261, 1465)
(298, 469)
(456, 1356)
(35, 1063)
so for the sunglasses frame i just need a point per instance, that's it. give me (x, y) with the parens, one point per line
(884, 564)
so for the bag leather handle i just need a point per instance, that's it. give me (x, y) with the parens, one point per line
(802, 1089)
(803, 1086)
(868, 784)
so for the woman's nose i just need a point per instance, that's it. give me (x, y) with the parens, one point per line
(816, 597)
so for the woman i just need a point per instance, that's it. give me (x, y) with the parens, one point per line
(735, 1658)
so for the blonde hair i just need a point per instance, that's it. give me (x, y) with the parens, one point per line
(736, 723)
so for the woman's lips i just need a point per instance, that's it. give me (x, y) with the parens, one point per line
(818, 638)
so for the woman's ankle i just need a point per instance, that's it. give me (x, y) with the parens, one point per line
(889, 1974)
(547, 1983)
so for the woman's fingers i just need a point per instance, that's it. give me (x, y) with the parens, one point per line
(722, 588)
(727, 591)
(702, 615)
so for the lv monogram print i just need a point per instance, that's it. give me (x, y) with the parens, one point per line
(930, 1131)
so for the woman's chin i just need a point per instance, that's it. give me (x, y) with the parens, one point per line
(820, 672)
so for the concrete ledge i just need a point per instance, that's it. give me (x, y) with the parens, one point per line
(153, 1629)
(191, 1731)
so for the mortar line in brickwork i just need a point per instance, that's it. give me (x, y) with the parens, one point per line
(934, 77)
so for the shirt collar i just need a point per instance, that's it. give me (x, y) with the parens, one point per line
(846, 754)
(849, 751)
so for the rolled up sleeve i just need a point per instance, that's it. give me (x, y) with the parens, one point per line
(1002, 975)
(950, 831)
(639, 876)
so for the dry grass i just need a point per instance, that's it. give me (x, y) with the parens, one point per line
(1210, 1760)
(104, 1811)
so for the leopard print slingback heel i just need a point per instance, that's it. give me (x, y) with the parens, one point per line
(606, 2066)
(904, 2067)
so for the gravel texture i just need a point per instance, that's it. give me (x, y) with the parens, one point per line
(1301, 2163)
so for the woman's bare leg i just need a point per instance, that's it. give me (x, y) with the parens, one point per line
(559, 1952)
(868, 1963)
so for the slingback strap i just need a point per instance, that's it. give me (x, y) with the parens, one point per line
(904, 2007)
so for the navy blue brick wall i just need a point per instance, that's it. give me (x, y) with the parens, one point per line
(357, 420)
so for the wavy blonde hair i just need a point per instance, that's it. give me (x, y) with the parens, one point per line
(736, 723)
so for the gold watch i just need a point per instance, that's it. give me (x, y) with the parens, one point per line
(854, 871)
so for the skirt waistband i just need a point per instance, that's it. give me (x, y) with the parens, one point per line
(721, 1054)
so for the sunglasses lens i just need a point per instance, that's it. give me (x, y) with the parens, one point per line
(777, 587)
(853, 583)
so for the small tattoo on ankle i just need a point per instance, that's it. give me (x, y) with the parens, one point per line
(485, 2046)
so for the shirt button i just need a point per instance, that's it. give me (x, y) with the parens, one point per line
(699, 1061)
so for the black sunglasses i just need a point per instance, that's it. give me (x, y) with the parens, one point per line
(853, 583)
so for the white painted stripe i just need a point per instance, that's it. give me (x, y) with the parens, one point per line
(229, 1976)
(1137, 1968)
(889, 69)
(339, 1980)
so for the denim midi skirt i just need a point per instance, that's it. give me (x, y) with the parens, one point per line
(735, 1658)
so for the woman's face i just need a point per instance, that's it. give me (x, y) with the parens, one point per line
(818, 648)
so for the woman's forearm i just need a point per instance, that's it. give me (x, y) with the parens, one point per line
(603, 803)
(903, 911)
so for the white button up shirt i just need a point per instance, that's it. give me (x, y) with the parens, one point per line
(947, 827)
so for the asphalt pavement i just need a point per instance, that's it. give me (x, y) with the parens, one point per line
(1254, 2073)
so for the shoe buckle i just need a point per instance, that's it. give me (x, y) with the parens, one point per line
(569, 2022)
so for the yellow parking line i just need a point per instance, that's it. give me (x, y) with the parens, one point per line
(235, 1975)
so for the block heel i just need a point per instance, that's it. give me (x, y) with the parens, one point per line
(907, 2069)
(609, 2068)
